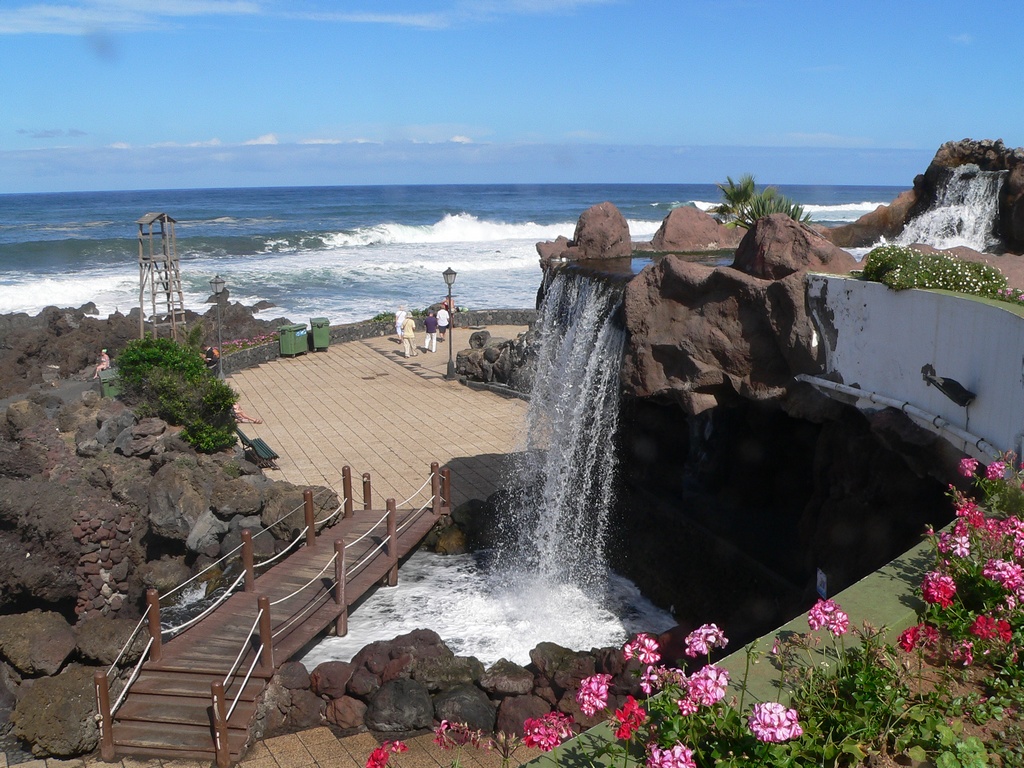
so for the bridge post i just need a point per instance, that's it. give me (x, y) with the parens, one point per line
(392, 543)
(435, 487)
(346, 489)
(153, 612)
(307, 504)
(220, 725)
(367, 495)
(341, 623)
(266, 635)
(102, 686)
(446, 488)
(247, 560)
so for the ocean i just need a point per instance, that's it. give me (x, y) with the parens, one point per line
(345, 253)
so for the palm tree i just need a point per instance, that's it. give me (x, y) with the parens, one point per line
(744, 204)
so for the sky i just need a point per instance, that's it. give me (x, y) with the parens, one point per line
(125, 94)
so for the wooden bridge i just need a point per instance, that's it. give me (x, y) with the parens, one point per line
(195, 695)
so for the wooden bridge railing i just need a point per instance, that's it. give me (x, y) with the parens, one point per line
(440, 496)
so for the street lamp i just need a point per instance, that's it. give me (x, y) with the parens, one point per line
(218, 287)
(449, 280)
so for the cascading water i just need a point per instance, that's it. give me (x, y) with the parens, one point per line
(964, 213)
(549, 581)
(556, 526)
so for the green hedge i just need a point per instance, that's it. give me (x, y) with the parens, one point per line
(901, 267)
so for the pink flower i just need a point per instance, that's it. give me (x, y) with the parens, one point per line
(644, 647)
(921, 636)
(547, 732)
(629, 718)
(827, 613)
(707, 685)
(677, 756)
(968, 467)
(1010, 575)
(773, 722)
(687, 707)
(593, 694)
(995, 470)
(703, 639)
(965, 652)
(938, 588)
(448, 735)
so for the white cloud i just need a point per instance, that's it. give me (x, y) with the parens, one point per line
(120, 145)
(320, 141)
(461, 140)
(267, 138)
(78, 17)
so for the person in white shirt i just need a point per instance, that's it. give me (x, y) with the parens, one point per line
(443, 320)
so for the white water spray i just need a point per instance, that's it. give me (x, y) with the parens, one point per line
(557, 526)
(964, 213)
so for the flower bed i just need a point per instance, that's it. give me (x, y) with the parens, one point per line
(948, 693)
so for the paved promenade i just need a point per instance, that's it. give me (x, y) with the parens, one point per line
(363, 404)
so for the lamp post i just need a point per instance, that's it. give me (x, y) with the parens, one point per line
(218, 288)
(449, 280)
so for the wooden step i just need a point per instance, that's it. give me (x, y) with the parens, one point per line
(154, 708)
(172, 738)
(191, 684)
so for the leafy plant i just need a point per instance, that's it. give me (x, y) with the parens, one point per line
(744, 205)
(163, 378)
(901, 267)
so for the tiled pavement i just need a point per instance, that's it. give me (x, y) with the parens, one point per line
(362, 404)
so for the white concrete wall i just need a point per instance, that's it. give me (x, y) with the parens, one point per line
(879, 340)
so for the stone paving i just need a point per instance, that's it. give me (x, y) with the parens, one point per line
(363, 404)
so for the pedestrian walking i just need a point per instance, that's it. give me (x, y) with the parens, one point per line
(443, 320)
(430, 325)
(409, 336)
(400, 316)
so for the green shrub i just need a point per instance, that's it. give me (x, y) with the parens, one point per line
(901, 267)
(163, 378)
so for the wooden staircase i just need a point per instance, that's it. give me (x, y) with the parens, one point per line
(233, 652)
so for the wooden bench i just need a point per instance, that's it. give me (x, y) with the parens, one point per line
(258, 452)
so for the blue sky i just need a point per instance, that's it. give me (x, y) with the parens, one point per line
(124, 94)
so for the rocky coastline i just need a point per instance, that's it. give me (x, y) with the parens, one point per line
(96, 506)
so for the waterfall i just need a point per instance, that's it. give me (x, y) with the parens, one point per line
(557, 523)
(964, 213)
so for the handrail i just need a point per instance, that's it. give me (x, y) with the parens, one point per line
(131, 641)
(209, 609)
(131, 678)
(241, 653)
(417, 491)
(313, 604)
(414, 516)
(371, 529)
(308, 583)
(241, 688)
(358, 566)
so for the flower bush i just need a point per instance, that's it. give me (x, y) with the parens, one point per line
(949, 693)
(256, 341)
(901, 267)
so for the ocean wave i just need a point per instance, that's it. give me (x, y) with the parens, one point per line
(452, 228)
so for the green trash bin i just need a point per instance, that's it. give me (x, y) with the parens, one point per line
(293, 339)
(109, 383)
(320, 332)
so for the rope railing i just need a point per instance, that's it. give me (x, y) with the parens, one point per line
(368, 556)
(414, 517)
(241, 687)
(130, 643)
(241, 653)
(368, 532)
(322, 598)
(132, 677)
(209, 609)
(418, 491)
(308, 583)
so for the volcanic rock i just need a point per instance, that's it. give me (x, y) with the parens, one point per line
(516, 710)
(330, 678)
(466, 704)
(346, 712)
(400, 705)
(505, 678)
(776, 246)
(885, 221)
(55, 714)
(37, 642)
(690, 229)
(101, 640)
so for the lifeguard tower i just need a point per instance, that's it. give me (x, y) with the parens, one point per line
(160, 277)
